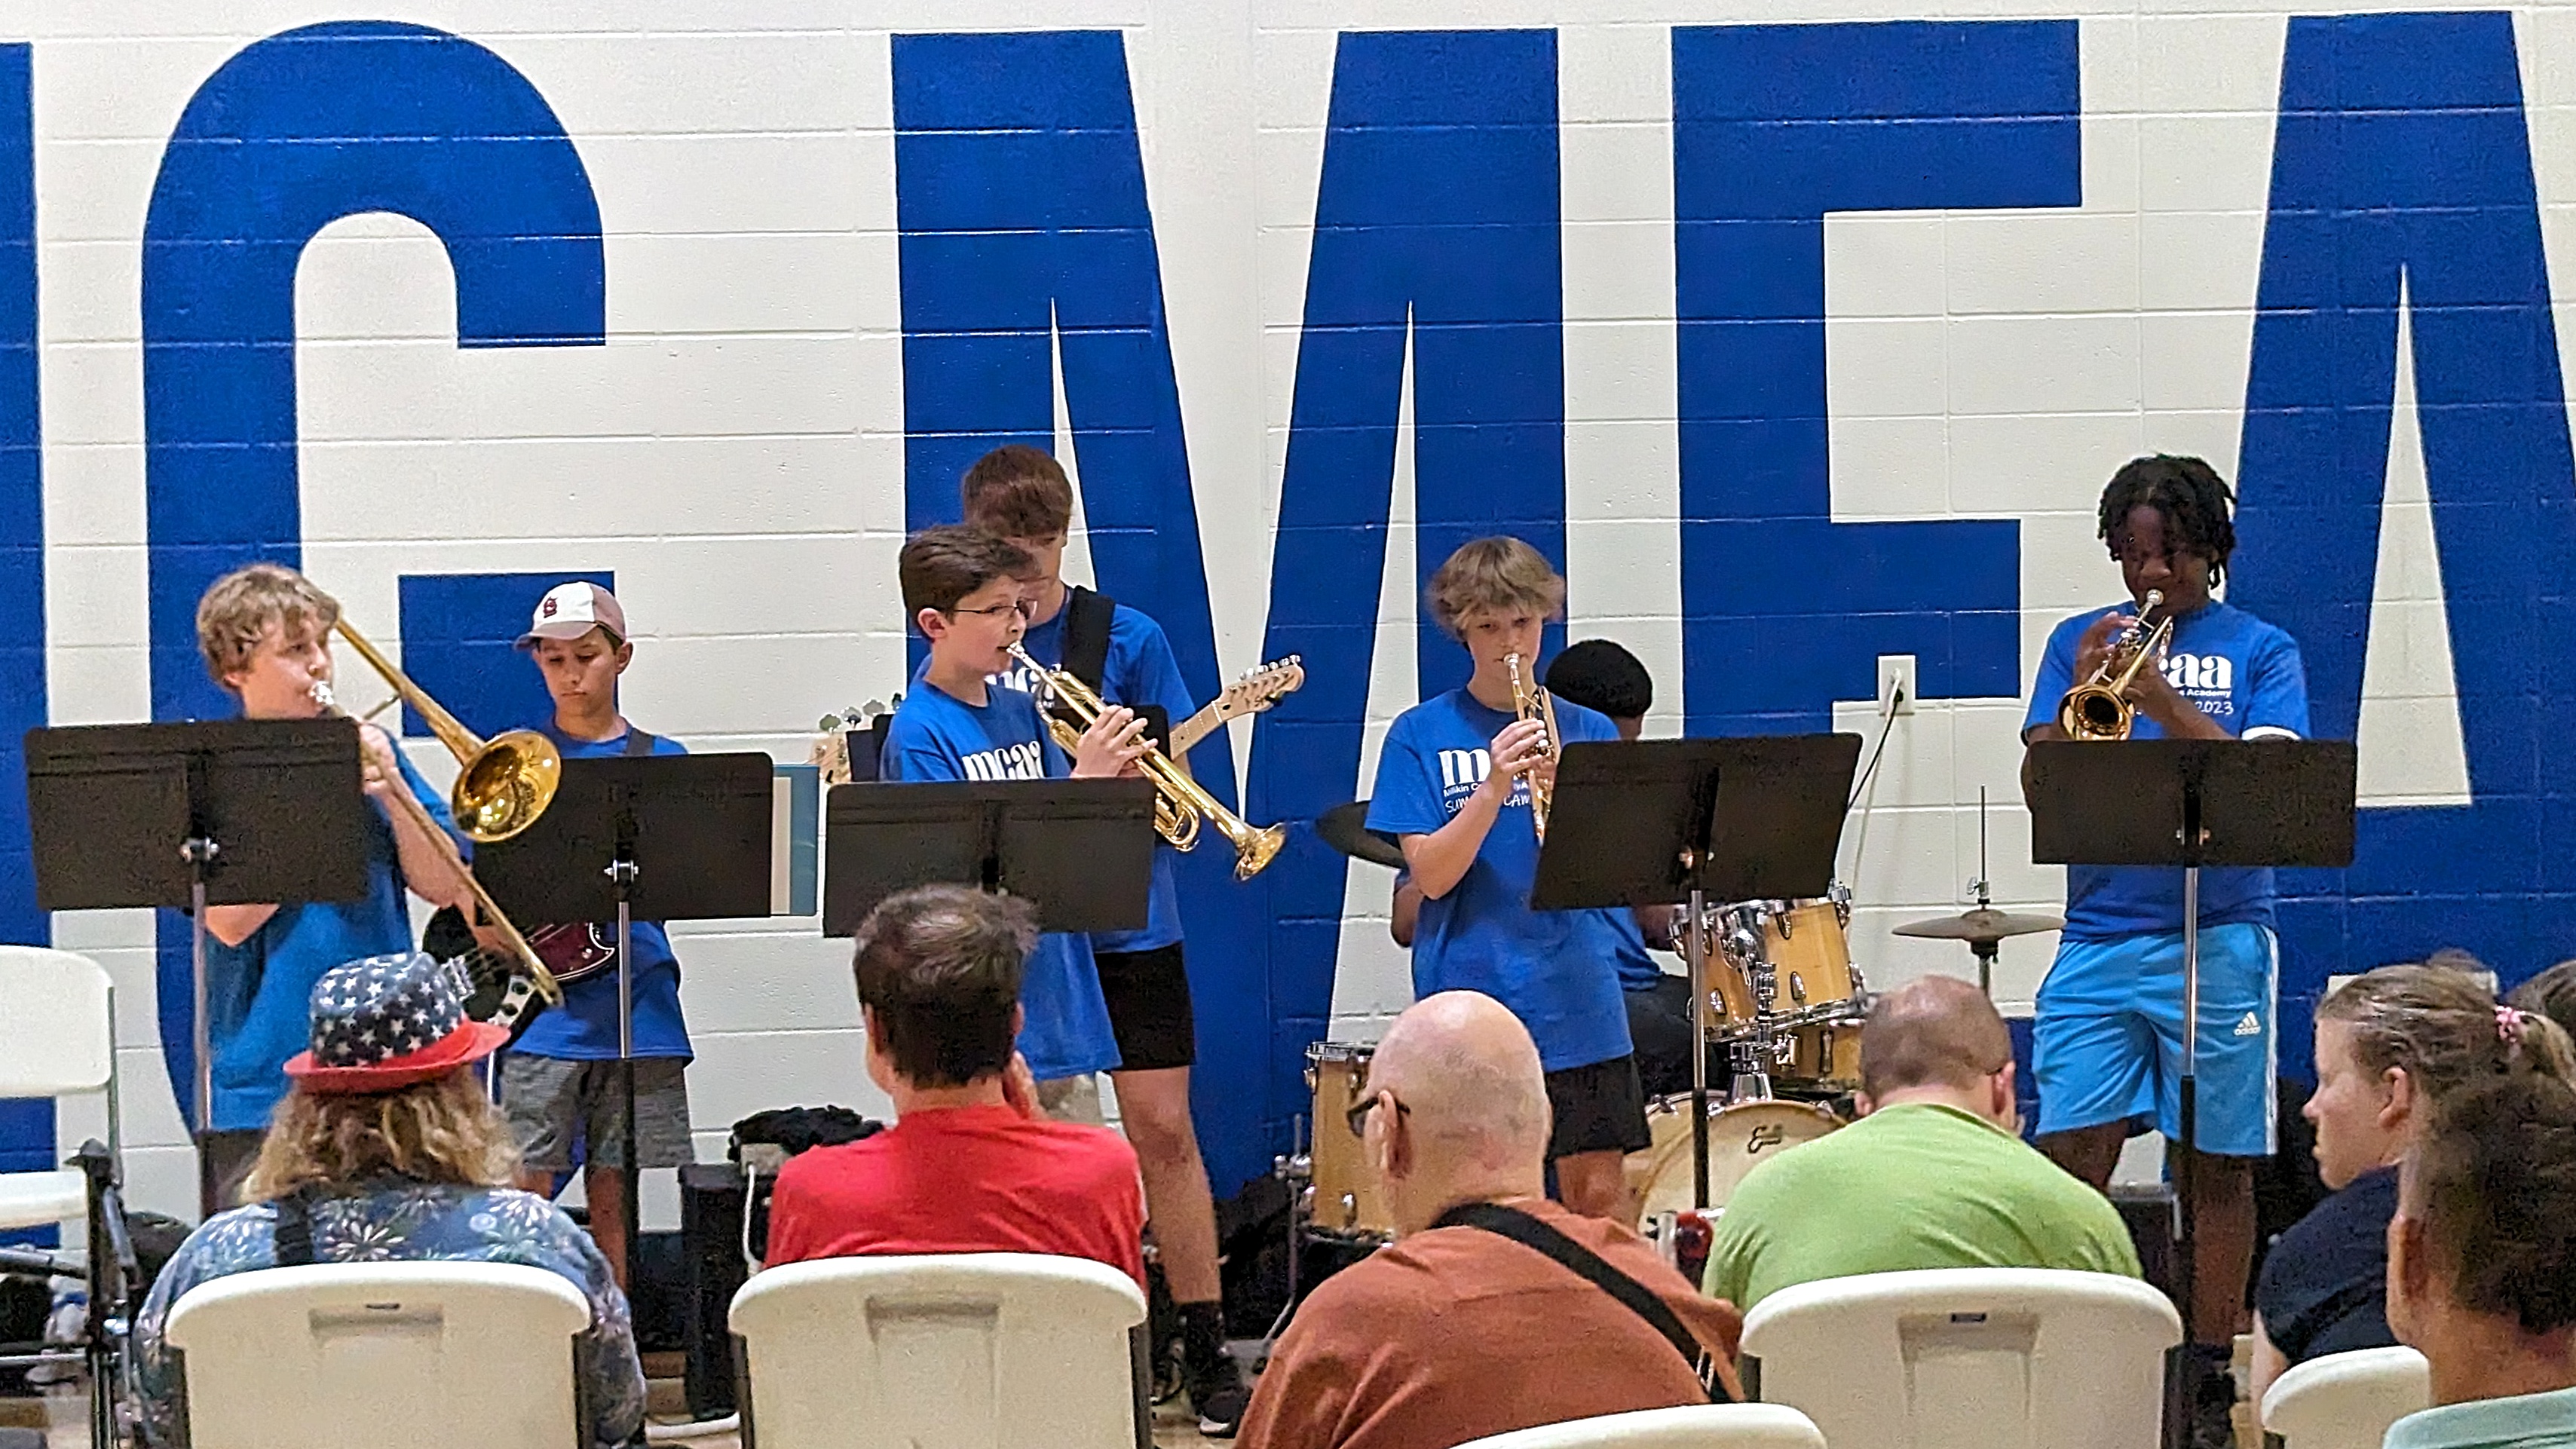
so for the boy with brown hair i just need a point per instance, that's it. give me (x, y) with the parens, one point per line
(962, 589)
(265, 632)
(1021, 494)
(1453, 787)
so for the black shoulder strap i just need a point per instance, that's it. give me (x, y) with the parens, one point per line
(1087, 613)
(295, 1228)
(1530, 1233)
(638, 742)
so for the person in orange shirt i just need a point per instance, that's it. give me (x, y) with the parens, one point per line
(1493, 1310)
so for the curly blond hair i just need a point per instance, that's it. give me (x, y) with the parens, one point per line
(1499, 575)
(442, 1130)
(237, 610)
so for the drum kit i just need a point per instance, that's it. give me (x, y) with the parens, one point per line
(1785, 1001)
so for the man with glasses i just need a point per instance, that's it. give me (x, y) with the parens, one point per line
(1932, 1176)
(1464, 1327)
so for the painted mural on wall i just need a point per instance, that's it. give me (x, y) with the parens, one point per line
(2402, 203)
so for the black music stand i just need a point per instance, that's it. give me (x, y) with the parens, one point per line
(1658, 822)
(2191, 803)
(664, 837)
(224, 812)
(1081, 851)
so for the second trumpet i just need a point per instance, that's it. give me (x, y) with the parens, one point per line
(1180, 803)
(1530, 702)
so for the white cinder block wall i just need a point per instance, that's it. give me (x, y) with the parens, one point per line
(735, 451)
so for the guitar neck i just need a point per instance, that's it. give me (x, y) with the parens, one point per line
(1187, 734)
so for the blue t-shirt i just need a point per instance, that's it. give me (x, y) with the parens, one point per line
(1139, 671)
(935, 736)
(1559, 971)
(259, 994)
(583, 1026)
(2241, 672)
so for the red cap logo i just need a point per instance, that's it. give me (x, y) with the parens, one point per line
(547, 609)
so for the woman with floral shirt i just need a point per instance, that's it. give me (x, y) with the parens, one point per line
(389, 1150)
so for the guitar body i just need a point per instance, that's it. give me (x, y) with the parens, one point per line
(575, 949)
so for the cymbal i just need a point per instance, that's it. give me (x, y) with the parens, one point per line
(1986, 926)
(1345, 828)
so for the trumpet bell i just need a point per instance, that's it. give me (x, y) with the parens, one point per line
(506, 785)
(1254, 849)
(2092, 712)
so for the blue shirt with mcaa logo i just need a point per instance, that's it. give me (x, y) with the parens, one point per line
(2241, 672)
(936, 736)
(1558, 971)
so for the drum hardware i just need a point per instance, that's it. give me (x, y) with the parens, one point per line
(1982, 927)
(1180, 802)
(2099, 708)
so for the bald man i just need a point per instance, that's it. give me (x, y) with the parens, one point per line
(1932, 1176)
(1456, 1332)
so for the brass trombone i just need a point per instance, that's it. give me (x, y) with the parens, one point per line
(2099, 708)
(1180, 802)
(502, 786)
(1537, 704)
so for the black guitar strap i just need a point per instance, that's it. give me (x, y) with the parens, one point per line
(1530, 1233)
(638, 742)
(1087, 613)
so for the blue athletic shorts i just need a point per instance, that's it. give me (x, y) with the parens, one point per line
(2107, 1036)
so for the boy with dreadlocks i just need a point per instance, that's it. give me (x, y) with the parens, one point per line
(2108, 1022)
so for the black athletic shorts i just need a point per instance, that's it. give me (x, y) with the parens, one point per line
(1599, 1108)
(1149, 1007)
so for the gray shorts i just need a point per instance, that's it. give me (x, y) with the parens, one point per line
(554, 1104)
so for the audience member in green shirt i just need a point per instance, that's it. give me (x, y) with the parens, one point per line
(2482, 1254)
(1932, 1176)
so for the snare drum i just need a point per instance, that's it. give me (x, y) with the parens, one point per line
(1740, 1138)
(1346, 1203)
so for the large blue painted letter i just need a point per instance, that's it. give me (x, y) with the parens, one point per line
(2401, 157)
(1020, 191)
(1437, 218)
(1785, 611)
(291, 134)
(26, 1128)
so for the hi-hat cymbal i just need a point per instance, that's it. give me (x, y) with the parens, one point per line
(1345, 828)
(1985, 925)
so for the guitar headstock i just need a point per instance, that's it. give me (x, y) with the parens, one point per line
(831, 747)
(1260, 688)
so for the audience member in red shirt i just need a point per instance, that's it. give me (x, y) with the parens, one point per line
(1455, 1332)
(970, 1165)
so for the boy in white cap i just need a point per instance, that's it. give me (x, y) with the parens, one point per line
(559, 1083)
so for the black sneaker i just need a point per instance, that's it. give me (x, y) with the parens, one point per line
(1217, 1392)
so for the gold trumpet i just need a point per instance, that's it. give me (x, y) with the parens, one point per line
(501, 788)
(1537, 704)
(1180, 802)
(2099, 708)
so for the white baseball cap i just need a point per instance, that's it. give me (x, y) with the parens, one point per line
(569, 611)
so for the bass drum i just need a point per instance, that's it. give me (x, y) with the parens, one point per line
(1740, 1139)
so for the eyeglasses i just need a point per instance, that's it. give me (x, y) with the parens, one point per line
(1357, 1116)
(1017, 606)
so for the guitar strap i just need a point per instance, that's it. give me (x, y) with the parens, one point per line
(638, 742)
(1087, 615)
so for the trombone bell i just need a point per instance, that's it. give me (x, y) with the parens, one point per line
(503, 784)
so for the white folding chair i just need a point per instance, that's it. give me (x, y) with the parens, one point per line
(2347, 1400)
(57, 1039)
(424, 1355)
(1699, 1426)
(1976, 1358)
(941, 1351)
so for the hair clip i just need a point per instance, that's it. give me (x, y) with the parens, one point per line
(2509, 1024)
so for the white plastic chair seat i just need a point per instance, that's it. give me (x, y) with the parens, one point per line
(1699, 1426)
(940, 1351)
(1976, 1358)
(426, 1355)
(2347, 1400)
(34, 1199)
